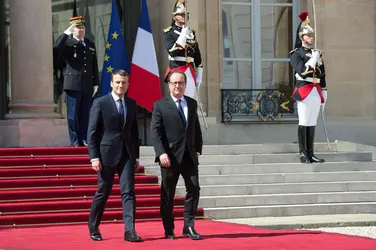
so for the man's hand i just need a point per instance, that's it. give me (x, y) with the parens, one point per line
(165, 160)
(316, 55)
(70, 29)
(186, 31)
(199, 72)
(198, 155)
(96, 165)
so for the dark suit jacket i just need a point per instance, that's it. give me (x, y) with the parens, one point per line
(168, 133)
(81, 71)
(106, 137)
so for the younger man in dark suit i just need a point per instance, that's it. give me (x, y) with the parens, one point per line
(177, 141)
(114, 147)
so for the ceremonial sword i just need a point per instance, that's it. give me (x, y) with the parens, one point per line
(321, 106)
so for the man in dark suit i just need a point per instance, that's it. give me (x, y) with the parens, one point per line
(177, 141)
(113, 145)
(80, 77)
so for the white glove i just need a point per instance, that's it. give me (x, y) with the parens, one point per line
(95, 90)
(186, 31)
(325, 95)
(319, 62)
(70, 29)
(184, 35)
(199, 72)
(313, 60)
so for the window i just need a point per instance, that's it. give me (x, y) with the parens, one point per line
(257, 38)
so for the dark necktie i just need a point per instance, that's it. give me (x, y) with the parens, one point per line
(121, 112)
(181, 112)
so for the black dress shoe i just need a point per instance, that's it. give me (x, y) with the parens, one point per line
(304, 158)
(132, 237)
(95, 234)
(191, 233)
(314, 159)
(170, 236)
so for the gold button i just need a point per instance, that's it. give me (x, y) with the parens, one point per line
(85, 71)
(85, 64)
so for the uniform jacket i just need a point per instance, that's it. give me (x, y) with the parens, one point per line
(305, 75)
(81, 71)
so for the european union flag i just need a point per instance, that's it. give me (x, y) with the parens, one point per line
(115, 55)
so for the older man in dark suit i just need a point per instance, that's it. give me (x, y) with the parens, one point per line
(113, 144)
(177, 141)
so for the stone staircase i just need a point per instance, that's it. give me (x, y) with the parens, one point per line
(244, 181)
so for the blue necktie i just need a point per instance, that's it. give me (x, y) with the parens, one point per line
(181, 113)
(121, 112)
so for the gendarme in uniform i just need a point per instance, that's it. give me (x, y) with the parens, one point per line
(80, 77)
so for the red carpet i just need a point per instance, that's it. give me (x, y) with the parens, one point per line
(217, 236)
(55, 185)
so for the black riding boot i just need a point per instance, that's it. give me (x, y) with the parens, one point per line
(310, 145)
(302, 137)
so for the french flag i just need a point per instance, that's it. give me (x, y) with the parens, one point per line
(144, 79)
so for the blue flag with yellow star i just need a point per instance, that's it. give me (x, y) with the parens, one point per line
(115, 55)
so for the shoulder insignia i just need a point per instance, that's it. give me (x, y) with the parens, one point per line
(167, 29)
(292, 51)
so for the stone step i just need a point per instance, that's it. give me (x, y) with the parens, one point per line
(283, 178)
(309, 221)
(286, 199)
(271, 148)
(271, 158)
(276, 168)
(283, 188)
(290, 210)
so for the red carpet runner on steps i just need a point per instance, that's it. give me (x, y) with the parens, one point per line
(56, 185)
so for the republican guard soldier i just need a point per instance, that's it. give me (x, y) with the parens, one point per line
(183, 49)
(310, 91)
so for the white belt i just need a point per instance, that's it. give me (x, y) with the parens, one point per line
(181, 59)
(307, 79)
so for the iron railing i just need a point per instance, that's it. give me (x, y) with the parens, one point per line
(258, 105)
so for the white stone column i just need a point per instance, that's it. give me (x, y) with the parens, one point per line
(31, 60)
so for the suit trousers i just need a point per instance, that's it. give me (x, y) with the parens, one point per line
(126, 172)
(78, 110)
(170, 177)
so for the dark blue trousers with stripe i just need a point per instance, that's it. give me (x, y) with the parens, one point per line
(78, 110)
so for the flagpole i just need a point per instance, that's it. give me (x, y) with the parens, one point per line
(197, 86)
